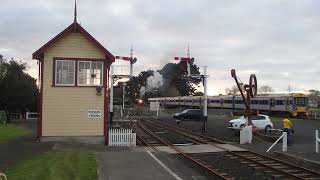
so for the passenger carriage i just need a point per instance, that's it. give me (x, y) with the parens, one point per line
(283, 104)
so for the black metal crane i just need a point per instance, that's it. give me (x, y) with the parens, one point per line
(251, 90)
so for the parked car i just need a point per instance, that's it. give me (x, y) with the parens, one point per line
(260, 121)
(189, 114)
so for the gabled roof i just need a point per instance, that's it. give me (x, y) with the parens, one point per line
(74, 27)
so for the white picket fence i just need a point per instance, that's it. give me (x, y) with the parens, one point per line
(31, 116)
(122, 137)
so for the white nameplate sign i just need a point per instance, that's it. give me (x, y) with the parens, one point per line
(94, 114)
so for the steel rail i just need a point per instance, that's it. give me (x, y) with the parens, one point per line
(267, 166)
(286, 163)
(193, 139)
(311, 172)
(188, 131)
(142, 139)
(179, 151)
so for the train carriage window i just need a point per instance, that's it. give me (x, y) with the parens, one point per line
(227, 101)
(281, 102)
(301, 101)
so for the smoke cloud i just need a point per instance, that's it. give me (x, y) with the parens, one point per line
(153, 82)
(142, 91)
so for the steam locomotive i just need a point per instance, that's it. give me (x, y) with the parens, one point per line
(294, 104)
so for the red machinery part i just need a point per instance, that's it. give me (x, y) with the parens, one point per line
(182, 59)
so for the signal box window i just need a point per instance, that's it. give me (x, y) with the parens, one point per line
(90, 73)
(65, 73)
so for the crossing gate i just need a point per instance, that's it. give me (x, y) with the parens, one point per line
(122, 137)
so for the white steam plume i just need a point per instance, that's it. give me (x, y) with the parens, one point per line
(153, 82)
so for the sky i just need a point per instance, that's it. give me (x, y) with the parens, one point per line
(278, 40)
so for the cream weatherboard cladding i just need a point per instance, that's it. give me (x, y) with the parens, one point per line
(65, 109)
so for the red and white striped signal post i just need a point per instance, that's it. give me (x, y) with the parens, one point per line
(186, 59)
(204, 77)
(132, 61)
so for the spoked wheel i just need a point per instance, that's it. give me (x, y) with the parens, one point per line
(253, 85)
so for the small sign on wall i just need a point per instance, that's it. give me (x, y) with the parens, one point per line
(94, 114)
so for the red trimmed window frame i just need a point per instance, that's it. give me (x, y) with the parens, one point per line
(76, 71)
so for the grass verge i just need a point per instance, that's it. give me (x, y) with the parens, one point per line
(11, 131)
(56, 165)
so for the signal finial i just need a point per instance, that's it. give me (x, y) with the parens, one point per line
(188, 53)
(75, 11)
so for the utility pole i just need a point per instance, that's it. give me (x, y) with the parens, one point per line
(123, 92)
(203, 77)
(289, 88)
(114, 76)
(111, 95)
(131, 61)
(205, 103)
(188, 62)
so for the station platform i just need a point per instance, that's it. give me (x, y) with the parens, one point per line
(121, 163)
(202, 148)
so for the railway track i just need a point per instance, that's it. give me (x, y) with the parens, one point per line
(144, 137)
(274, 167)
(184, 132)
(218, 174)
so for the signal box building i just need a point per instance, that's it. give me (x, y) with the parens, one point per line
(73, 100)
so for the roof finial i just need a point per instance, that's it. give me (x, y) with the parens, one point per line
(131, 51)
(75, 11)
(188, 52)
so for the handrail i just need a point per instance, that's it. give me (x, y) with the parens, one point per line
(284, 142)
(317, 141)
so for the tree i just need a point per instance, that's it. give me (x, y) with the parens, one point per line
(198, 93)
(18, 90)
(175, 82)
(1, 58)
(176, 75)
(234, 90)
(314, 95)
(133, 86)
(265, 89)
